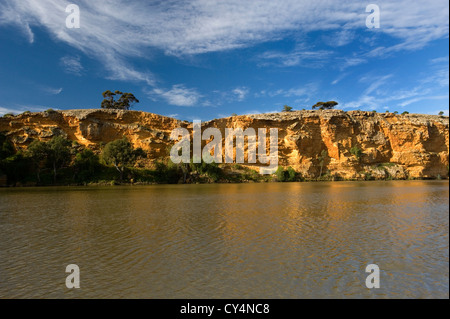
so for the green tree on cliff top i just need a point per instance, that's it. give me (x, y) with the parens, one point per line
(325, 105)
(124, 102)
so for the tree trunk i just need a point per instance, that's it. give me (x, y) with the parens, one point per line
(54, 172)
(321, 166)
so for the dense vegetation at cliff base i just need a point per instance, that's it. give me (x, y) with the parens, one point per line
(60, 161)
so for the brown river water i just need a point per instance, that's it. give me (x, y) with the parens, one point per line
(290, 240)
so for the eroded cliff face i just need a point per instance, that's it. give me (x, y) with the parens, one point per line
(398, 146)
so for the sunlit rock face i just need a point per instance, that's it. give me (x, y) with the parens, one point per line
(396, 146)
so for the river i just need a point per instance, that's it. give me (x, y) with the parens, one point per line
(274, 240)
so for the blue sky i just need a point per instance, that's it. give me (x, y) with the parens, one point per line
(205, 59)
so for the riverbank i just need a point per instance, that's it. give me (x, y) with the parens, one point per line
(251, 176)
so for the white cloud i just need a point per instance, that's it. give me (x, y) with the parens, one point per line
(339, 78)
(115, 31)
(380, 92)
(306, 90)
(439, 60)
(72, 65)
(375, 82)
(299, 56)
(18, 109)
(5, 110)
(422, 98)
(346, 62)
(241, 93)
(124, 29)
(340, 38)
(52, 91)
(178, 95)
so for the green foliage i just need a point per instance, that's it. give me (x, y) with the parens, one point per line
(50, 111)
(8, 115)
(86, 164)
(441, 113)
(58, 153)
(356, 151)
(237, 167)
(6, 150)
(6, 147)
(405, 113)
(119, 153)
(325, 105)
(288, 175)
(281, 176)
(212, 170)
(167, 173)
(124, 102)
(287, 108)
(37, 151)
(17, 168)
(292, 174)
(396, 112)
(386, 164)
(368, 176)
(322, 157)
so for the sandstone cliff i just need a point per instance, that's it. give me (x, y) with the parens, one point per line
(398, 146)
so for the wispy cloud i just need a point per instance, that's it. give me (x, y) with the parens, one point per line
(124, 29)
(439, 60)
(380, 92)
(17, 109)
(51, 90)
(178, 95)
(306, 90)
(340, 38)
(114, 32)
(422, 98)
(346, 62)
(339, 78)
(375, 82)
(72, 65)
(297, 57)
(241, 93)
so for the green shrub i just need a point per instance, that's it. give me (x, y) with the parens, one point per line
(356, 151)
(287, 108)
(292, 174)
(281, 177)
